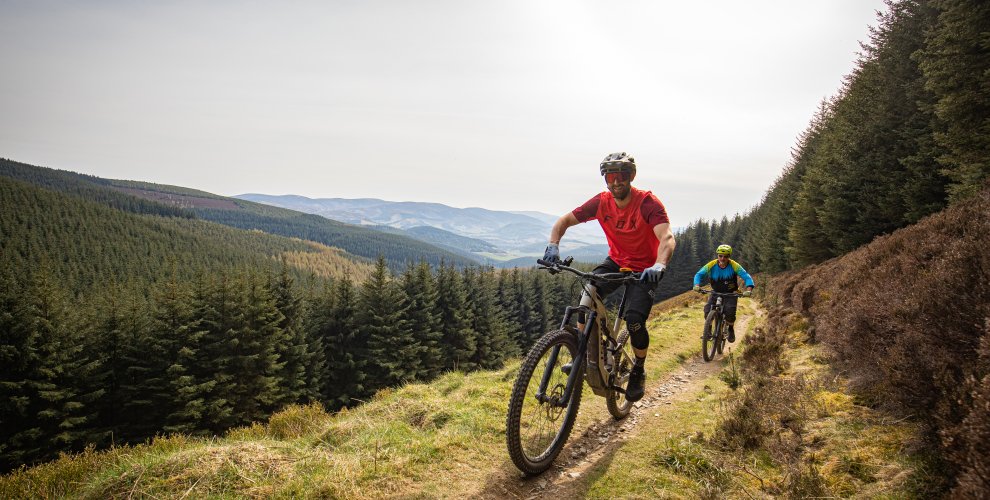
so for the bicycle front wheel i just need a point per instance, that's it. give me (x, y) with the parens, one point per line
(723, 333)
(616, 401)
(709, 339)
(536, 430)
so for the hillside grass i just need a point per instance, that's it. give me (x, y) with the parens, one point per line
(442, 439)
(445, 439)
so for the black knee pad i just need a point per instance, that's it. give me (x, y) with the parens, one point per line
(638, 336)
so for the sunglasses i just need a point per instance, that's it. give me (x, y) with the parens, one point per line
(723, 255)
(617, 177)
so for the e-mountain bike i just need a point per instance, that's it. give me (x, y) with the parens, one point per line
(716, 326)
(547, 391)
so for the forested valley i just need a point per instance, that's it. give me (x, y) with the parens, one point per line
(125, 318)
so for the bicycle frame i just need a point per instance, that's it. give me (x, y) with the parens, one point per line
(591, 357)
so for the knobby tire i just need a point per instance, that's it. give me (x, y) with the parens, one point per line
(723, 333)
(709, 339)
(536, 432)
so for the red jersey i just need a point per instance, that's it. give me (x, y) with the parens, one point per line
(631, 240)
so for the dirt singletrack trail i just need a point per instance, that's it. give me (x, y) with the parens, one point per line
(600, 440)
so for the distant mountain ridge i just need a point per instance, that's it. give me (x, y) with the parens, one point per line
(516, 233)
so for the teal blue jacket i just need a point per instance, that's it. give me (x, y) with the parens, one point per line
(723, 280)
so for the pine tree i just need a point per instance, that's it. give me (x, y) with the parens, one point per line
(393, 351)
(956, 62)
(255, 365)
(809, 244)
(167, 333)
(189, 377)
(459, 339)
(542, 310)
(21, 376)
(45, 380)
(333, 320)
(117, 337)
(494, 345)
(423, 317)
(508, 297)
(293, 347)
(205, 380)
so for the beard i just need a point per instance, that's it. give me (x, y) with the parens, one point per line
(620, 191)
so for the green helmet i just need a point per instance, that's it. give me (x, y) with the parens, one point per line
(724, 250)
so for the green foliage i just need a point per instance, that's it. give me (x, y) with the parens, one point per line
(44, 410)
(955, 61)
(424, 317)
(333, 320)
(88, 244)
(393, 351)
(86, 187)
(907, 133)
(460, 340)
(494, 344)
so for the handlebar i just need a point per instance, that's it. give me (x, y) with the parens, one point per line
(555, 267)
(723, 294)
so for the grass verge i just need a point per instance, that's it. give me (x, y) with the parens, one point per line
(444, 439)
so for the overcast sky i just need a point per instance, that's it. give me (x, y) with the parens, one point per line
(506, 105)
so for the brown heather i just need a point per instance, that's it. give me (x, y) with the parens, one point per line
(907, 318)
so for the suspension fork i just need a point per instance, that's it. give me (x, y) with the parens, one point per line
(577, 365)
(619, 316)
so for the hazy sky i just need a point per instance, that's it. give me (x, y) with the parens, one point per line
(507, 105)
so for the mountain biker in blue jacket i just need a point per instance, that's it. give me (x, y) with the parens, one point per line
(724, 273)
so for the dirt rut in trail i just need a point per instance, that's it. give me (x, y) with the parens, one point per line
(600, 440)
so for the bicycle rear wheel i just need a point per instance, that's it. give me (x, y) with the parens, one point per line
(616, 401)
(709, 340)
(536, 431)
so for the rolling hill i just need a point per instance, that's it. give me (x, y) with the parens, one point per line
(147, 198)
(88, 244)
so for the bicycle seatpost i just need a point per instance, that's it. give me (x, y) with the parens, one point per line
(587, 300)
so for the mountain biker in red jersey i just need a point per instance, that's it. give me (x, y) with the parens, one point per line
(723, 272)
(639, 238)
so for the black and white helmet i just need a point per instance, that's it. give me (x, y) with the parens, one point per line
(618, 162)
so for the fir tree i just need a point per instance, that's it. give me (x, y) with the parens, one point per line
(955, 62)
(254, 367)
(393, 351)
(292, 347)
(45, 380)
(423, 317)
(459, 339)
(494, 345)
(117, 336)
(203, 375)
(333, 321)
